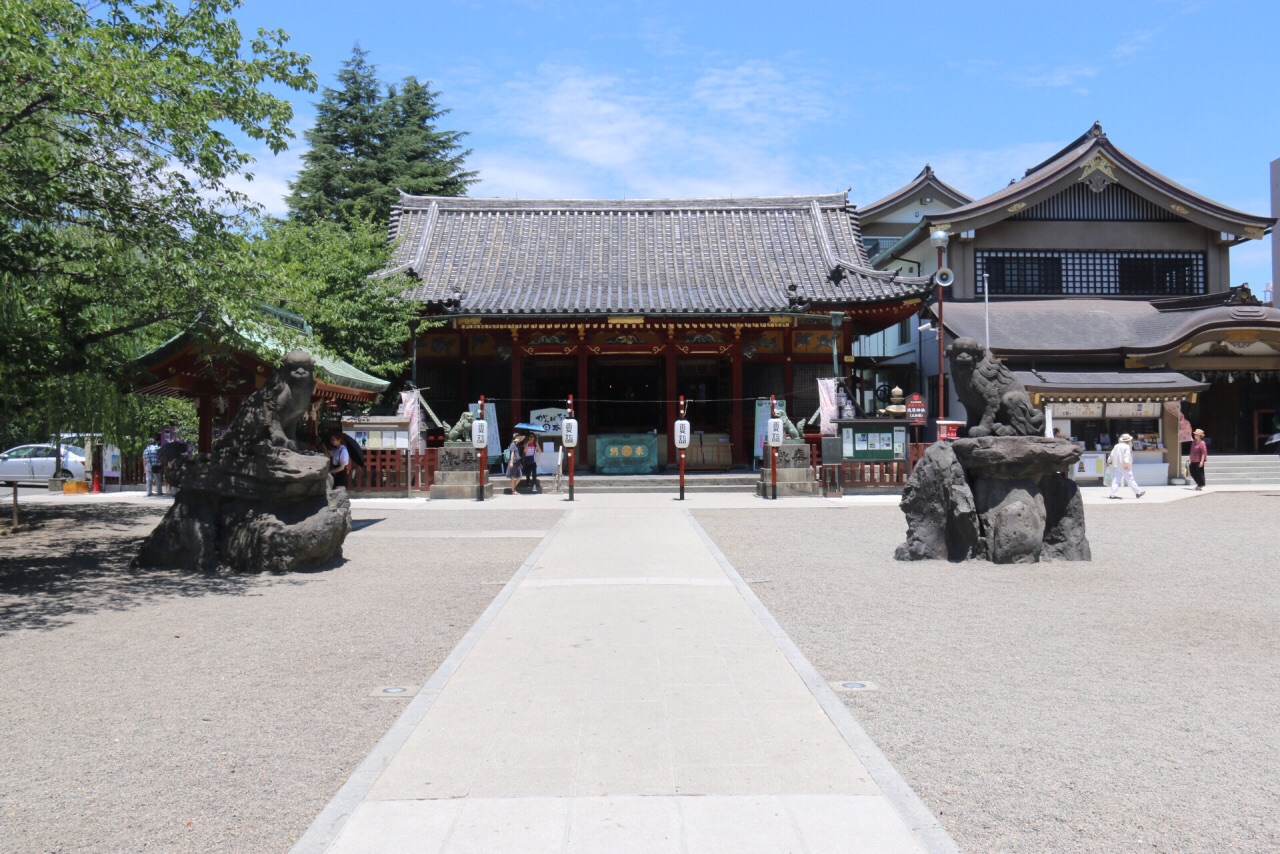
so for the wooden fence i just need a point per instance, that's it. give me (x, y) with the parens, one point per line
(396, 471)
(883, 474)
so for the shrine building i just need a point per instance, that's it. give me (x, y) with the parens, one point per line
(627, 305)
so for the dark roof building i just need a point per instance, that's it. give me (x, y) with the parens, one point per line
(728, 299)
(1092, 262)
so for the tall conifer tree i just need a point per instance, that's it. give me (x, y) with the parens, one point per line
(340, 170)
(365, 147)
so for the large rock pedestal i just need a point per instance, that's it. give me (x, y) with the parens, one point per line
(268, 509)
(1005, 499)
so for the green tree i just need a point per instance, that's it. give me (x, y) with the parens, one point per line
(365, 147)
(116, 220)
(321, 271)
(340, 170)
(417, 158)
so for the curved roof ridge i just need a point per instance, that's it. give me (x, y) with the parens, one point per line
(1094, 143)
(824, 200)
(925, 178)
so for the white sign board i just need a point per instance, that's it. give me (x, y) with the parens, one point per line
(1077, 410)
(1145, 409)
(491, 418)
(762, 418)
(548, 419)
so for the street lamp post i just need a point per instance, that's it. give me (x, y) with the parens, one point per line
(939, 239)
(986, 309)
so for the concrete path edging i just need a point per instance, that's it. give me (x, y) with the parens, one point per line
(928, 830)
(328, 825)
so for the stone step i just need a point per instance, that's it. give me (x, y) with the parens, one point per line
(698, 482)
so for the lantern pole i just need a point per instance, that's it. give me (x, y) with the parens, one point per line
(571, 448)
(773, 449)
(484, 450)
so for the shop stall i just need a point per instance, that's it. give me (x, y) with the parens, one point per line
(1095, 409)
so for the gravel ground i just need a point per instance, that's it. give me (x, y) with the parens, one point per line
(1127, 704)
(179, 712)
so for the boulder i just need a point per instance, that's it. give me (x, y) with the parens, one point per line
(255, 503)
(1003, 498)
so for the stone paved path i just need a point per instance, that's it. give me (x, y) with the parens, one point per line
(626, 692)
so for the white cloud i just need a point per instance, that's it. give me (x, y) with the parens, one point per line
(1063, 77)
(1134, 44)
(513, 176)
(726, 133)
(760, 92)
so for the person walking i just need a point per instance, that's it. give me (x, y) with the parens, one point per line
(1199, 453)
(515, 460)
(531, 463)
(1121, 461)
(154, 468)
(339, 460)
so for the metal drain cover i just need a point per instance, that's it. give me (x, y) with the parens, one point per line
(853, 686)
(395, 692)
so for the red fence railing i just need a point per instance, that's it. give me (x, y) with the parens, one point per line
(394, 471)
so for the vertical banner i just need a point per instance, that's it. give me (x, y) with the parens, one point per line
(827, 406)
(762, 423)
(491, 418)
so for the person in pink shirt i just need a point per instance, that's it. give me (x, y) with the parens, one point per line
(1195, 463)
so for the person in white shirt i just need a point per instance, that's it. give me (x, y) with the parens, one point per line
(1121, 462)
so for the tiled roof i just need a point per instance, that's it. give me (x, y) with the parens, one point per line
(926, 181)
(1063, 327)
(1051, 176)
(259, 337)
(663, 256)
(1118, 382)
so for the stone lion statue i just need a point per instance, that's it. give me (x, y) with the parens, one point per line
(996, 402)
(270, 416)
(461, 432)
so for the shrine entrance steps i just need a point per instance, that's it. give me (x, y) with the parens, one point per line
(744, 481)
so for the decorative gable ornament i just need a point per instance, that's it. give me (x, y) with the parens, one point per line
(1096, 173)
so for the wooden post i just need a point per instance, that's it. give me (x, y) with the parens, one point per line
(740, 451)
(670, 397)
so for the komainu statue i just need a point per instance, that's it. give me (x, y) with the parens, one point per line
(461, 431)
(255, 503)
(1002, 494)
(997, 403)
(272, 413)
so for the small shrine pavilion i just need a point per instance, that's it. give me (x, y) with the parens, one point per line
(218, 366)
(628, 305)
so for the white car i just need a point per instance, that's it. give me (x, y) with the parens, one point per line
(35, 464)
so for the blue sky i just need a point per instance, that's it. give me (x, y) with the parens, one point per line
(659, 99)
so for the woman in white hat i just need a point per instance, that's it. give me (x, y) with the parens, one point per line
(1121, 461)
(1195, 463)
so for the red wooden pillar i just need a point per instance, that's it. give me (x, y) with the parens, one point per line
(517, 390)
(672, 408)
(741, 454)
(464, 381)
(788, 373)
(581, 405)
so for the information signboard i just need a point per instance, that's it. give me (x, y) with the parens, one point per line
(917, 411)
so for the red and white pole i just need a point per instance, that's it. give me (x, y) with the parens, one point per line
(484, 452)
(571, 450)
(682, 450)
(773, 413)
